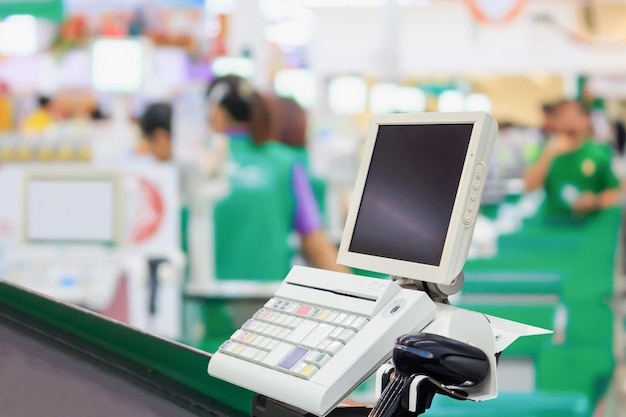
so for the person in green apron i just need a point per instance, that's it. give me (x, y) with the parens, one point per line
(574, 171)
(270, 192)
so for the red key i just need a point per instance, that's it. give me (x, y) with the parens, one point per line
(303, 310)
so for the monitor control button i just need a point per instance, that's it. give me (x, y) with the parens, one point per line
(473, 197)
(470, 208)
(478, 175)
(467, 220)
(476, 186)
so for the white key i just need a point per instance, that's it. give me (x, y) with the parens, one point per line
(288, 321)
(346, 335)
(273, 317)
(292, 307)
(348, 321)
(333, 347)
(323, 344)
(236, 335)
(270, 302)
(262, 328)
(284, 333)
(311, 355)
(321, 332)
(257, 341)
(280, 319)
(265, 341)
(331, 317)
(296, 321)
(250, 352)
(262, 354)
(299, 368)
(272, 344)
(301, 331)
(277, 354)
(358, 324)
(340, 318)
(276, 331)
(228, 346)
(336, 332)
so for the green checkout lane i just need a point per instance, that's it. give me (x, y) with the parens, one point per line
(168, 370)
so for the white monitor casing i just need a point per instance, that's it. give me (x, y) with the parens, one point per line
(461, 226)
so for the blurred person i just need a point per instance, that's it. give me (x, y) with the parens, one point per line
(575, 172)
(270, 192)
(41, 118)
(156, 126)
(547, 123)
(6, 108)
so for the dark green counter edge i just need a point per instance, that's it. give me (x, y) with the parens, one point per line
(183, 364)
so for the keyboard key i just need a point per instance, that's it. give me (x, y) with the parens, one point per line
(280, 319)
(247, 324)
(319, 333)
(303, 310)
(273, 316)
(331, 316)
(293, 358)
(236, 335)
(242, 336)
(336, 332)
(288, 321)
(333, 347)
(257, 341)
(346, 335)
(299, 367)
(291, 307)
(250, 352)
(250, 338)
(271, 302)
(340, 318)
(262, 328)
(259, 313)
(319, 359)
(348, 321)
(237, 350)
(227, 346)
(311, 356)
(276, 331)
(272, 344)
(323, 344)
(314, 312)
(358, 324)
(296, 321)
(323, 314)
(284, 333)
(308, 371)
(265, 342)
(300, 332)
(262, 354)
(277, 354)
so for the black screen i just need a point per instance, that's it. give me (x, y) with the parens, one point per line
(409, 192)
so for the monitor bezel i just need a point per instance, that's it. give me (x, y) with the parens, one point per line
(76, 174)
(458, 234)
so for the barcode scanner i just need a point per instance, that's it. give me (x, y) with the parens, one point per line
(438, 364)
(447, 360)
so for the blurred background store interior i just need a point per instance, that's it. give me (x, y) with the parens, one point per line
(124, 189)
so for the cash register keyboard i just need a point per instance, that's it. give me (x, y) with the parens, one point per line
(293, 337)
(320, 336)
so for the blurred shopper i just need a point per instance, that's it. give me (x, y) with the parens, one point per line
(40, 119)
(156, 125)
(574, 171)
(6, 108)
(270, 192)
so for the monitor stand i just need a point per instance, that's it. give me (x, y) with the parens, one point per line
(437, 292)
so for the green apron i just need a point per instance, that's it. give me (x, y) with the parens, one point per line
(253, 223)
(587, 169)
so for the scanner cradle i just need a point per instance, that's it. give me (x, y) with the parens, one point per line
(412, 217)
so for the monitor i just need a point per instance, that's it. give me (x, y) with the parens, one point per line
(75, 206)
(417, 194)
(118, 64)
